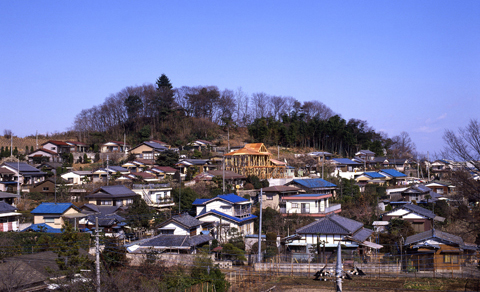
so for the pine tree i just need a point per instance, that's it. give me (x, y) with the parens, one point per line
(163, 83)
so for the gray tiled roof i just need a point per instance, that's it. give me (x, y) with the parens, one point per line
(362, 235)
(6, 208)
(118, 191)
(107, 219)
(168, 240)
(432, 233)
(332, 224)
(419, 210)
(187, 220)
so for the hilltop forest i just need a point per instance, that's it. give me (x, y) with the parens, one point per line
(180, 115)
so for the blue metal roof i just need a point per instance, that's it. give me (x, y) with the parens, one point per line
(232, 198)
(393, 173)
(373, 174)
(42, 227)
(314, 183)
(200, 201)
(238, 220)
(52, 208)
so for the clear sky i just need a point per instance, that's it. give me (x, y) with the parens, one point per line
(401, 65)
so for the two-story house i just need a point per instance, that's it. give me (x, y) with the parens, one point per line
(26, 173)
(59, 147)
(114, 147)
(312, 205)
(148, 150)
(158, 196)
(314, 186)
(420, 218)
(111, 196)
(9, 218)
(51, 217)
(226, 212)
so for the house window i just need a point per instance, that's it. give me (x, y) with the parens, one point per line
(269, 197)
(167, 231)
(53, 148)
(450, 258)
(294, 205)
(70, 180)
(45, 189)
(49, 219)
(129, 201)
(105, 202)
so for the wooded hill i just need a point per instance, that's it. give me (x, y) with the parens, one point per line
(180, 115)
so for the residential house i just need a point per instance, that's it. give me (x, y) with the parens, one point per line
(441, 169)
(170, 243)
(50, 167)
(312, 205)
(78, 177)
(102, 174)
(54, 215)
(329, 231)
(438, 251)
(141, 177)
(200, 144)
(109, 223)
(59, 147)
(419, 193)
(254, 159)
(28, 174)
(77, 147)
(8, 180)
(441, 187)
(345, 165)
(148, 150)
(420, 218)
(393, 176)
(370, 177)
(158, 196)
(114, 147)
(314, 186)
(43, 155)
(48, 186)
(365, 156)
(226, 212)
(273, 195)
(182, 224)
(231, 178)
(9, 198)
(200, 164)
(162, 171)
(118, 195)
(9, 218)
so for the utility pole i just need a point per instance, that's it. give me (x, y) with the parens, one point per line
(36, 140)
(223, 174)
(338, 270)
(259, 258)
(97, 253)
(18, 177)
(107, 171)
(428, 166)
(179, 191)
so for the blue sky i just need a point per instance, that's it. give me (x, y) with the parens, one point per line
(401, 65)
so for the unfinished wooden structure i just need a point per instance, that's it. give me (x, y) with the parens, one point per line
(254, 159)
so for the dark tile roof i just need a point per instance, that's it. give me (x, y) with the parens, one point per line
(187, 220)
(106, 220)
(432, 233)
(6, 208)
(118, 191)
(345, 161)
(362, 234)
(156, 146)
(168, 240)
(24, 167)
(417, 189)
(4, 195)
(419, 210)
(332, 224)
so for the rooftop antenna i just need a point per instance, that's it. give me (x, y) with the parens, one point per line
(36, 139)
(18, 177)
(259, 259)
(11, 146)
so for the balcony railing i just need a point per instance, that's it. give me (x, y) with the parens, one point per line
(242, 212)
(330, 209)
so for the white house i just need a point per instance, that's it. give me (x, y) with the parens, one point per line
(183, 224)
(155, 195)
(312, 205)
(78, 177)
(225, 212)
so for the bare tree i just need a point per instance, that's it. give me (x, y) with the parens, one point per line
(242, 115)
(277, 105)
(464, 146)
(260, 105)
(317, 109)
(7, 134)
(402, 146)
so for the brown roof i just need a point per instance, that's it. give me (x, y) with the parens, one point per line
(56, 142)
(143, 174)
(281, 189)
(165, 168)
(76, 143)
(46, 150)
(4, 170)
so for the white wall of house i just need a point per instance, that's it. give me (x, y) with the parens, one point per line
(329, 239)
(73, 178)
(220, 206)
(314, 206)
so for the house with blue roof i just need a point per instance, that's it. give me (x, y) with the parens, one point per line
(345, 164)
(225, 212)
(55, 214)
(314, 185)
(370, 177)
(394, 176)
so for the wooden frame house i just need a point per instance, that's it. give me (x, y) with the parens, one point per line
(254, 159)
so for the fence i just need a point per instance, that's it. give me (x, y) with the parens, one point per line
(381, 265)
